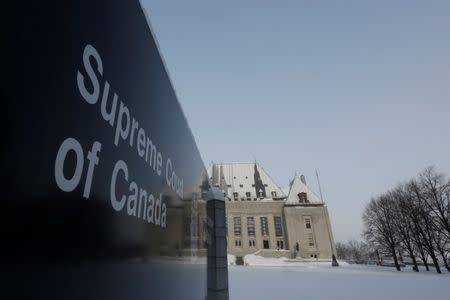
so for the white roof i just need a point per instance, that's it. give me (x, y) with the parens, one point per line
(243, 178)
(299, 186)
(286, 189)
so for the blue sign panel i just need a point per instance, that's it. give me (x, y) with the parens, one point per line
(103, 187)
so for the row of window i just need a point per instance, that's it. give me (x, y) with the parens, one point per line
(193, 230)
(280, 243)
(251, 243)
(248, 195)
(241, 184)
(237, 226)
(302, 197)
(223, 178)
(265, 227)
(188, 222)
(266, 244)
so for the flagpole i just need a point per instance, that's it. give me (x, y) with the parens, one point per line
(334, 262)
(320, 188)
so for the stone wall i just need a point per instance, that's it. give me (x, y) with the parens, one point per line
(321, 243)
(294, 229)
(256, 209)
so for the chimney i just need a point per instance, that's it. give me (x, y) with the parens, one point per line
(303, 179)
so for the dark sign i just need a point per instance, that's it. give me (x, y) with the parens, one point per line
(103, 187)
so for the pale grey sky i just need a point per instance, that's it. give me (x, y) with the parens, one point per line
(359, 90)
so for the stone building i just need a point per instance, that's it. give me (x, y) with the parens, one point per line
(266, 219)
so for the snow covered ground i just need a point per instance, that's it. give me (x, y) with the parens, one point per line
(280, 279)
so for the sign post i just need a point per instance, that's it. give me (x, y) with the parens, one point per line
(217, 246)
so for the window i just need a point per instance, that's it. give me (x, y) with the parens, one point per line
(237, 226)
(251, 243)
(238, 243)
(302, 197)
(235, 196)
(308, 223)
(248, 195)
(274, 194)
(241, 185)
(278, 226)
(310, 240)
(251, 226)
(266, 244)
(264, 226)
(229, 185)
(280, 244)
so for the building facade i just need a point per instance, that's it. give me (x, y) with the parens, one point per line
(268, 220)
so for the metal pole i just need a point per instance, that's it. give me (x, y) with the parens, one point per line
(334, 262)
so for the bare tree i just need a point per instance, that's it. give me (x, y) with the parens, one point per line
(356, 251)
(423, 222)
(418, 245)
(413, 218)
(379, 225)
(342, 251)
(436, 191)
(442, 247)
(403, 223)
(409, 210)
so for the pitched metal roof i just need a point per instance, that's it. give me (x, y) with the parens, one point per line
(298, 186)
(243, 178)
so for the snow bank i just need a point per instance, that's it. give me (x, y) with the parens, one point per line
(231, 260)
(257, 260)
(321, 281)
